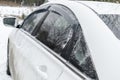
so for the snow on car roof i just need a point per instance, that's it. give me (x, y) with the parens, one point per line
(102, 7)
(98, 7)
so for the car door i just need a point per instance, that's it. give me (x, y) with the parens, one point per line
(63, 34)
(59, 33)
(29, 60)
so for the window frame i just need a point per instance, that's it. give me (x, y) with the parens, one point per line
(65, 62)
(40, 21)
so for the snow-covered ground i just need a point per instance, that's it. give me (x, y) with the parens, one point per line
(18, 11)
(4, 33)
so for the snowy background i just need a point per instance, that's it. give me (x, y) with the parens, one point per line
(4, 33)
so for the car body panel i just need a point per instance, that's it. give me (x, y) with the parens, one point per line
(103, 7)
(25, 66)
(37, 68)
(4, 33)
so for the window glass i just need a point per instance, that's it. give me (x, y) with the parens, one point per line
(81, 58)
(55, 32)
(31, 22)
(113, 22)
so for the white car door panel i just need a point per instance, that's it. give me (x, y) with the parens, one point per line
(68, 75)
(32, 61)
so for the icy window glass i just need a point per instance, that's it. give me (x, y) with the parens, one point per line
(46, 30)
(81, 58)
(113, 22)
(61, 33)
(31, 22)
(55, 32)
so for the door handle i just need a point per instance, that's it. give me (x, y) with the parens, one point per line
(43, 72)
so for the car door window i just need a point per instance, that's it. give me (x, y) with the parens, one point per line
(31, 22)
(65, 37)
(55, 32)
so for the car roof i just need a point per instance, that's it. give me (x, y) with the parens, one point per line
(97, 6)
(102, 7)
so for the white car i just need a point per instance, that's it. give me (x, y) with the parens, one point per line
(67, 40)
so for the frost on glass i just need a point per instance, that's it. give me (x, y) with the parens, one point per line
(55, 32)
(81, 59)
(31, 22)
(60, 33)
(113, 22)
